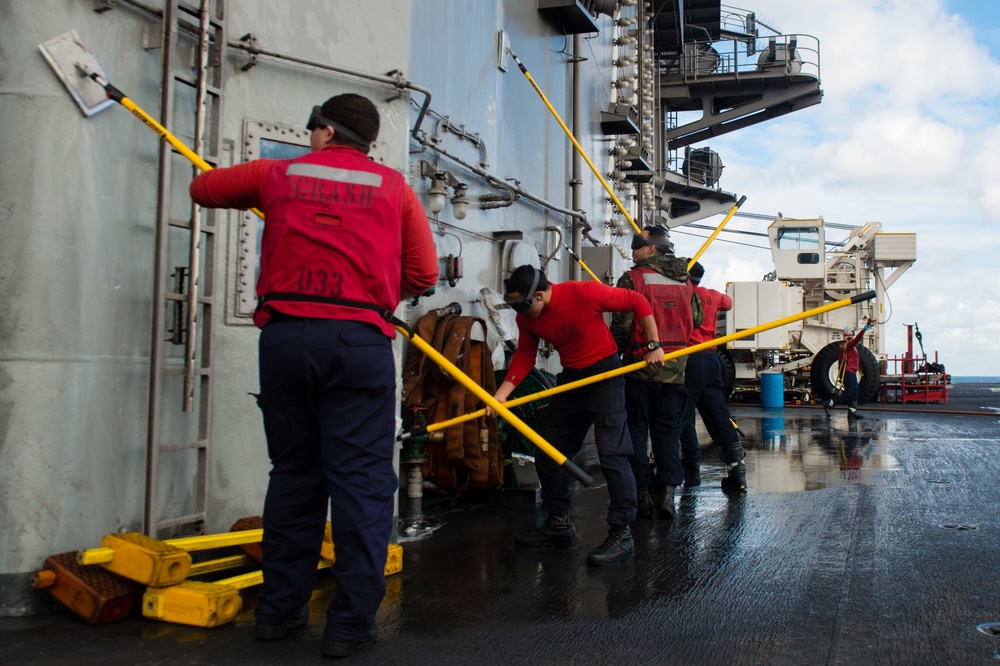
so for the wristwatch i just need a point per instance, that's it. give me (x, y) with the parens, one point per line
(653, 345)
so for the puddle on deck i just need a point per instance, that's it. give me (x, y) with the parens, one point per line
(790, 452)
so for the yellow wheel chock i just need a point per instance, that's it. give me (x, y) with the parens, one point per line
(153, 562)
(212, 604)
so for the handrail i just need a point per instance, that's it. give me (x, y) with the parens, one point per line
(730, 58)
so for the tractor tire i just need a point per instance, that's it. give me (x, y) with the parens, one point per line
(869, 377)
(824, 368)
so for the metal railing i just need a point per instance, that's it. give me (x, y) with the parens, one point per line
(790, 55)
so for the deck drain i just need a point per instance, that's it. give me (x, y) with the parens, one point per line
(989, 628)
(938, 480)
(955, 526)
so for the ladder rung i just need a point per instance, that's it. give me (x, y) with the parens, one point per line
(181, 520)
(195, 11)
(213, 160)
(185, 446)
(186, 224)
(202, 300)
(191, 81)
(179, 371)
(194, 26)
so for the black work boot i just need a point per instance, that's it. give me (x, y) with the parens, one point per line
(617, 546)
(692, 474)
(828, 407)
(736, 480)
(645, 509)
(665, 503)
(852, 411)
(555, 532)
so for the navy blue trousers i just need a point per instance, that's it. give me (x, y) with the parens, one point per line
(703, 381)
(849, 395)
(327, 393)
(567, 420)
(690, 446)
(654, 412)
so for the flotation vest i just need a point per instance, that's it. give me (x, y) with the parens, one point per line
(671, 303)
(333, 230)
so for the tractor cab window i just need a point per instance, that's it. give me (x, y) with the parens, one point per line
(798, 238)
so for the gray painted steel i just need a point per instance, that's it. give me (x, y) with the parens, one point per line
(79, 197)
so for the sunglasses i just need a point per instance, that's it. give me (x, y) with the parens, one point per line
(523, 304)
(638, 242)
(316, 119)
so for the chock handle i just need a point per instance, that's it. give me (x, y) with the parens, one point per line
(203, 542)
(42, 579)
(95, 556)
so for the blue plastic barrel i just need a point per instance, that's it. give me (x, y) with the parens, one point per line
(772, 390)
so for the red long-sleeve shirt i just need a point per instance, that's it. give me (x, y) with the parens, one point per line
(849, 347)
(242, 187)
(573, 321)
(711, 302)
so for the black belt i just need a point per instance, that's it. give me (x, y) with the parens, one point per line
(283, 318)
(604, 365)
(387, 315)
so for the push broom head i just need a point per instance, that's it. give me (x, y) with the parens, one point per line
(69, 59)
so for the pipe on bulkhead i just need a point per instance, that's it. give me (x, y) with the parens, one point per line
(396, 80)
(576, 177)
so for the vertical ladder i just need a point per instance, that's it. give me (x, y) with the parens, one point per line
(184, 309)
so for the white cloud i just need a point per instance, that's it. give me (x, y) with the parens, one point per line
(889, 149)
(908, 134)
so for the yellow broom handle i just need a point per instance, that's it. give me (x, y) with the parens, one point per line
(498, 407)
(562, 388)
(580, 261)
(732, 211)
(120, 97)
(576, 144)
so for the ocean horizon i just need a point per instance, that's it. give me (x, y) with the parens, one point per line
(977, 379)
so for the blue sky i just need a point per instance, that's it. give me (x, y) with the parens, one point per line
(984, 16)
(908, 134)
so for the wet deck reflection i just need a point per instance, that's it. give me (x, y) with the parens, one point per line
(805, 451)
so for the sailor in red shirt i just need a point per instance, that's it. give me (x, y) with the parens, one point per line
(345, 240)
(571, 317)
(655, 398)
(705, 392)
(847, 369)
